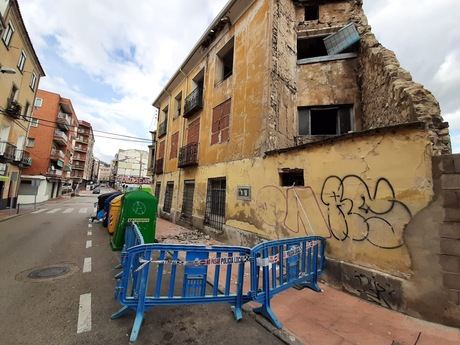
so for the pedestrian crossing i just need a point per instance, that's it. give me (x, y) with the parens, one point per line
(65, 210)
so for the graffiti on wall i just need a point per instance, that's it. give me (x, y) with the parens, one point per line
(359, 212)
(355, 211)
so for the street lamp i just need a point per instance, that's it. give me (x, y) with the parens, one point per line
(7, 70)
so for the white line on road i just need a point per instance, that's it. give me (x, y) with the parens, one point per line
(40, 211)
(90, 225)
(89, 244)
(90, 233)
(83, 210)
(69, 210)
(54, 210)
(87, 265)
(84, 314)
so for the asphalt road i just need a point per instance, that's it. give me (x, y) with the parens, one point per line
(45, 311)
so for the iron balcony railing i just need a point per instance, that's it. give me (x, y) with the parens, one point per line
(162, 128)
(13, 109)
(80, 148)
(7, 151)
(193, 102)
(159, 166)
(63, 121)
(188, 155)
(60, 136)
(77, 166)
(54, 173)
(25, 160)
(82, 139)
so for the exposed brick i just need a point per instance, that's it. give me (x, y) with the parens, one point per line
(454, 297)
(451, 281)
(450, 230)
(450, 181)
(447, 164)
(450, 247)
(452, 214)
(450, 263)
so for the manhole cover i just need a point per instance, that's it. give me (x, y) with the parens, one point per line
(48, 272)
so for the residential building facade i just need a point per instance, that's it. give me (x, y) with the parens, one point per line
(104, 172)
(151, 156)
(50, 143)
(82, 159)
(20, 73)
(131, 166)
(289, 118)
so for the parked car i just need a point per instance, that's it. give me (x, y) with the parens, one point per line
(96, 191)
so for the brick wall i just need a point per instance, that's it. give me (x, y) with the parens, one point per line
(450, 228)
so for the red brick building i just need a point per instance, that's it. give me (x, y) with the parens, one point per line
(83, 154)
(50, 143)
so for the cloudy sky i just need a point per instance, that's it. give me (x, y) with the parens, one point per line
(112, 57)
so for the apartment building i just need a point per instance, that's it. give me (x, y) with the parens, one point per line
(104, 172)
(289, 118)
(83, 156)
(151, 156)
(50, 144)
(20, 73)
(131, 166)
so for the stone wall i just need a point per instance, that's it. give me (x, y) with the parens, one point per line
(389, 95)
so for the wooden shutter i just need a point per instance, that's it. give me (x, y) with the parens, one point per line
(193, 132)
(174, 143)
(161, 150)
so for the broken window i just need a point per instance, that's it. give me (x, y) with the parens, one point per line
(225, 61)
(311, 47)
(291, 177)
(334, 120)
(312, 10)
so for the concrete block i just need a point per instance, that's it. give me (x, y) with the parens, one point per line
(457, 163)
(447, 164)
(451, 281)
(450, 263)
(452, 214)
(450, 230)
(450, 247)
(450, 181)
(454, 297)
(449, 198)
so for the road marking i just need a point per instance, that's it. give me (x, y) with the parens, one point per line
(54, 210)
(87, 265)
(89, 244)
(84, 314)
(69, 210)
(82, 210)
(40, 211)
(90, 233)
(90, 225)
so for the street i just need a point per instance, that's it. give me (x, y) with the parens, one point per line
(36, 309)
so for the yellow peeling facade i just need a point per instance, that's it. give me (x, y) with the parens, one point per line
(15, 88)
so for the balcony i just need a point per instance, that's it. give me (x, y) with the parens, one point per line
(193, 102)
(77, 166)
(81, 139)
(60, 137)
(162, 128)
(54, 173)
(57, 155)
(63, 121)
(26, 160)
(188, 155)
(7, 152)
(13, 109)
(80, 148)
(159, 166)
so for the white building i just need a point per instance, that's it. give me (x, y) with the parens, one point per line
(131, 164)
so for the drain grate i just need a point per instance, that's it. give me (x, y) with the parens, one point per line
(48, 272)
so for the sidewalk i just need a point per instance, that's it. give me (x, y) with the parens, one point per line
(334, 317)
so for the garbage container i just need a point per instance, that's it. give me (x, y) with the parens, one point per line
(107, 202)
(141, 208)
(100, 213)
(114, 213)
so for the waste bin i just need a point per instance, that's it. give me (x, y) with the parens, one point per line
(114, 213)
(141, 208)
(107, 202)
(100, 214)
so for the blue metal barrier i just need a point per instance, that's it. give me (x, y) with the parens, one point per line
(170, 274)
(281, 264)
(188, 263)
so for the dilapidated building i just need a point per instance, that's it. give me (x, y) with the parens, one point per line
(289, 118)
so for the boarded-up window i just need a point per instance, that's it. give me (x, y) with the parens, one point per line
(174, 142)
(193, 132)
(161, 150)
(220, 131)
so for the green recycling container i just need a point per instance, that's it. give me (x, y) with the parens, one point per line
(139, 207)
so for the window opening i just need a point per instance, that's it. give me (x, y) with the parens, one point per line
(291, 177)
(157, 190)
(168, 197)
(310, 47)
(215, 203)
(225, 61)
(325, 120)
(187, 201)
(312, 11)
(178, 104)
